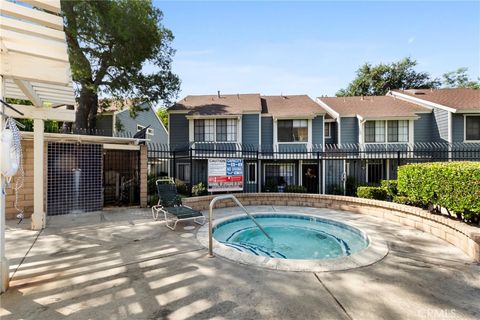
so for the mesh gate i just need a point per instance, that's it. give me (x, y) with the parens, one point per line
(121, 177)
(74, 178)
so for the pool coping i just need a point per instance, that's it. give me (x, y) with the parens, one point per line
(376, 250)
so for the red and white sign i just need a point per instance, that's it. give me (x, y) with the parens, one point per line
(225, 175)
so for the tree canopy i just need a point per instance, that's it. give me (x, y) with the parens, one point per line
(163, 115)
(379, 79)
(118, 49)
(459, 79)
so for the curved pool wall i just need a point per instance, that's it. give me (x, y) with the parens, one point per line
(294, 236)
(463, 236)
(375, 251)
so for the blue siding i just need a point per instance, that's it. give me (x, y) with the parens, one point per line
(143, 118)
(179, 130)
(317, 130)
(267, 131)
(349, 128)
(422, 128)
(440, 129)
(333, 134)
(457, 127)
(250, 129)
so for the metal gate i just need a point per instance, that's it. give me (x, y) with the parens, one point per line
(74, 178)
(121, 178)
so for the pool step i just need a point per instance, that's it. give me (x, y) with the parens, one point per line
(256, 250)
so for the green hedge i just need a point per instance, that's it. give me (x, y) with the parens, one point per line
(377, 193)
(452, 185)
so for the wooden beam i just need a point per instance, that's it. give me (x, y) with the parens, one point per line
(31, 29)
(35, 69)
(29, 14)
(50, 5)
(28, 91)
(34, 46)
(31, 112)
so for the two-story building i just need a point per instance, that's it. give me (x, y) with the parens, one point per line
(272, 133)
(323, 145)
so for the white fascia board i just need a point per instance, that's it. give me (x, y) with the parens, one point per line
(390, 118)
(178, 111)
(421, 102)
(214, 116)
(299, 117)
(477, 111)
(334, 114)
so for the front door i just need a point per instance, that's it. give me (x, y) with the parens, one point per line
(310, 177)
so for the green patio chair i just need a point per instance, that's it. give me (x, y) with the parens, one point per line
(170, 204)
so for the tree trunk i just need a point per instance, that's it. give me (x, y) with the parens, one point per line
(87, 110)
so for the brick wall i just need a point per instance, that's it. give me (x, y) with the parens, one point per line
(143, 176)
(461, 235)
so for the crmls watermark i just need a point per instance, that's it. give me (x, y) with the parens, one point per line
(438, 314)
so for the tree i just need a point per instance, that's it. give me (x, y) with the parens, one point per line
(111, 45)
(163, 115)
(459, 79)
(378, 79)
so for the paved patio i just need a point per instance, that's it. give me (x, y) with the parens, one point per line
(120, 264)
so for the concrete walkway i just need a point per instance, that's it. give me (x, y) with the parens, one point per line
(122, 265)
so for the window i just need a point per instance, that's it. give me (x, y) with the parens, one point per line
(150, 131)
(226, 130)
(472, 128)
(292, 130)
(328, 127)
(221, 130)
(251, 173)
(183, 172)
(397, 131)
(280, 174)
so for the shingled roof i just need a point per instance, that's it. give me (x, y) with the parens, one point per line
(461, 99)
(224, 104)
(291, 106)
(372, 107)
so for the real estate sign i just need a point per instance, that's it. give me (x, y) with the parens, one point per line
(225, 175)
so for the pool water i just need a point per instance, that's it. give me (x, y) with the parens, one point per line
(293, 237)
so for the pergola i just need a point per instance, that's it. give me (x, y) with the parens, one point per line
(34, 66)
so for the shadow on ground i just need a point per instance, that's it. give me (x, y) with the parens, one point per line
(129, 267)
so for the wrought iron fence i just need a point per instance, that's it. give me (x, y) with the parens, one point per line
(333, 169)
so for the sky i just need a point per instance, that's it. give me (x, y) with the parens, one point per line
(314, 48)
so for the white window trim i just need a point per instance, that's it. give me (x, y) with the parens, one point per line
(465, 128)
(191, 130)
(149, 132)
(277, 164)
(410, 132)
(309, 133)
(190, 171)
(248, 173)
(329, 130)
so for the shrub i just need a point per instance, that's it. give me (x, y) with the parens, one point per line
(452, 185)
(295, 189)
(391, 187)
(271, 185)
(199, 190)
(377, 193)
(335, 189)
(182, 187)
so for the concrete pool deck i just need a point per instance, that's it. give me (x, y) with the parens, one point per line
(122, 265)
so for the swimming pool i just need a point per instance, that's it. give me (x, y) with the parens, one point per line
(306, 242)
(293, 237)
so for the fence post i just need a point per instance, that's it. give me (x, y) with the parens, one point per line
(191, 171)
(174, 169)
(398, 158)
(319, 173)
(259, 188)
